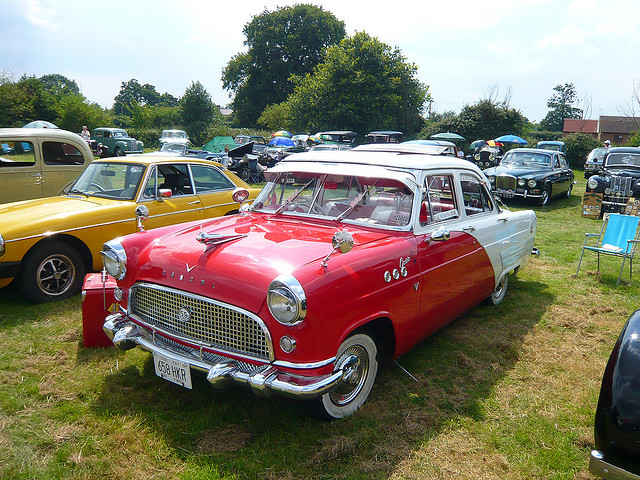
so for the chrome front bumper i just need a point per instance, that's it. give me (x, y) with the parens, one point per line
(598, 466)
(125, 335)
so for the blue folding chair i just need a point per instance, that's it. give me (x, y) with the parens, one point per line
(618, 237)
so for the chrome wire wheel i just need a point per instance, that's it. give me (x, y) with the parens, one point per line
(55, 274)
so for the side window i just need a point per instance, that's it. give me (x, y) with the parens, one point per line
(175, 178)
(475, 196)
(208, 179)
(98, 134)
(439, 202)
(556, 162)
(16, 154)
(56, 153)
(563, 162)
(149, 190)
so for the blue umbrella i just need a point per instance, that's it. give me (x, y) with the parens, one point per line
(281, 142)
(511, 139)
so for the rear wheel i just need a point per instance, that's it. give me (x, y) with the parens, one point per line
(51, 272)
(354, 391)
(499, 292)
(243, 173)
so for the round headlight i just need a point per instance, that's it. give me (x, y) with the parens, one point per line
(476, 156)
(114, 259)
(607, 191)
(592, 183)
(531, 183)
(492, 179)
(492, 157)
(286, 300)
(521, 182)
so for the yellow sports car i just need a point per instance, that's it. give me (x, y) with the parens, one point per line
(47, 245)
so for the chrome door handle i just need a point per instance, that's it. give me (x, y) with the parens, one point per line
(194, 202)
(503, 219)
(469, 229)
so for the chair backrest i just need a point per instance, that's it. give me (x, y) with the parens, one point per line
(619, 229)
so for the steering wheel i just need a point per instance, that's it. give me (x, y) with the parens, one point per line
(97, 186)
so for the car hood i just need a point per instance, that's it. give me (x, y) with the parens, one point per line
(30, 215)
(623, 171)
(255, 250)
(516, 170)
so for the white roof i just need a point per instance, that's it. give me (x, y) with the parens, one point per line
(405, 157)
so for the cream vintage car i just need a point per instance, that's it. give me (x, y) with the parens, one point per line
(47, 245)
(39, 162)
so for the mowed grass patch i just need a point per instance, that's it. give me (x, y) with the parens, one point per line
(503, 392)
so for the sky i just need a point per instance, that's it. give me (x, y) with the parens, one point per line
(465, 50)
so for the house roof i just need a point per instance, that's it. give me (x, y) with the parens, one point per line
(612, 124)
(572, 125)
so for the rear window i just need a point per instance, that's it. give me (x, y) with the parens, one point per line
(57, 153)
(16, 154)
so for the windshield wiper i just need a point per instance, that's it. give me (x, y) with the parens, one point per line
(77, 191)
(294, 196)
(355, 202)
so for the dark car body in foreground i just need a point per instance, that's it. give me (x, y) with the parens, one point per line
(619, 180)
(617, 422)
(533, 174)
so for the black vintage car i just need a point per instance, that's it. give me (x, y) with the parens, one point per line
(532, 174)
(619, 180)
(617, 422)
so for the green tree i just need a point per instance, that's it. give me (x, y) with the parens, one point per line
(282, 45)
(132, 93)
(24, 101)
(578, 147)
(74, 111)
(197, 112)
(362, 85)
(485, 119)
(59, 86)
(561, 105)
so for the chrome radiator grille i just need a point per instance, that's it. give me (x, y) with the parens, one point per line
(621, 186)
(506, 182)
(200, 319)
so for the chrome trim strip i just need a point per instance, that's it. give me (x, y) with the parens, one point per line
(598, 466)
(321, 363)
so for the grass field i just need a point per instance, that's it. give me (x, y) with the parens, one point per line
(505, 392)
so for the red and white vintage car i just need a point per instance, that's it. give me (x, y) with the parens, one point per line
(344, 258)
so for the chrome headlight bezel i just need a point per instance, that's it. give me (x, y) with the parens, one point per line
(286, 300)
(114, 259)
(593, 183)
(521, 182)
(2, 245)
(532, 183)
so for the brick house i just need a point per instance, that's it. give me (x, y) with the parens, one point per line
(617, 129)
(578, 125)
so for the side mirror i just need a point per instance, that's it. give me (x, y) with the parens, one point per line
(164, 193)
(142, 214)
(240, 195)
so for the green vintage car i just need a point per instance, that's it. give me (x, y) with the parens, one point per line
(115, 142)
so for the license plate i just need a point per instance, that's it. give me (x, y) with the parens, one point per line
(506, 193)
(175, 371)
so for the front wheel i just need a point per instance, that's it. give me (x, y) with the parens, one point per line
(51, 272)
(354, 390)
(546, 194)
(499, 292)
(118, 152)
(243, 173)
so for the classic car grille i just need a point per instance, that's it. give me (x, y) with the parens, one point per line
(620, 186)
(506, 182)
(201, 319)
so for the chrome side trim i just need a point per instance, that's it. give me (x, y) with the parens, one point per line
(598, 466)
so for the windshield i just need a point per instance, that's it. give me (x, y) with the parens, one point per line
(596, 154)
(109, 180)
(529, 159)
(375, 201)
(623, 159)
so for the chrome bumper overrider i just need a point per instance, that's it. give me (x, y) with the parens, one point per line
(598, 466)
(125, 335)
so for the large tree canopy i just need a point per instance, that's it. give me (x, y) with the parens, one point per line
(561, 105)
(282, 45)
(132, 93)
(362, 85)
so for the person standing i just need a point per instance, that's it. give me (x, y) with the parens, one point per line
(86, 136)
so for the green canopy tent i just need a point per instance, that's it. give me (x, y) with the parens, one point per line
(217, 144)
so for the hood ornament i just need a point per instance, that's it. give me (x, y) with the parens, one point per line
(213, 239)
